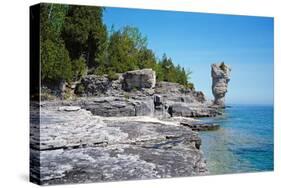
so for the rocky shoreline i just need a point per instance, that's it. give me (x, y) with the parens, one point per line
(129, 128)
(77, 147)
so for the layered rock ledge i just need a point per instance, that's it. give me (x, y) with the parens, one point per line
(123, 129)
(77, 147)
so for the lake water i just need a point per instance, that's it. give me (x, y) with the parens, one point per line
(244, 142)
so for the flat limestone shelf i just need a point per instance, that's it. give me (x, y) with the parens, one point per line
(77, 147)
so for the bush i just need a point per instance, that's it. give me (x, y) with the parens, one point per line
(55, 62)
(68, 94)
(189, 86)
(112, 75)
(79, 68)
(80, 89)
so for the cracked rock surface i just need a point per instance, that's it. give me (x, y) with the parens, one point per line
(77, 147)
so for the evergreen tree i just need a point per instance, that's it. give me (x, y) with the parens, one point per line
(85, 34)
(55, 61)
(74, 39)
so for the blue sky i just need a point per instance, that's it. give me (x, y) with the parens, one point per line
(196, 40)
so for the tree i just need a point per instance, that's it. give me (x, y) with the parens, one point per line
(146, 59)
(159, 72)
(85, 34)
(121, 52)
(79, 68)
(55, 61)
(166, 71)
(135, 35)
(74, 41)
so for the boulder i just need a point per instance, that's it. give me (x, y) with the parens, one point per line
(220, 77)
(139, 79)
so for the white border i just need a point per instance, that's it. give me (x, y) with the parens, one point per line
(14, 75)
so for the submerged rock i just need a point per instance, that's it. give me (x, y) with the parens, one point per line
(221, 77)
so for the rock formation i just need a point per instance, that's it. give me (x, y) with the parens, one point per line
(124, 129)
(221, 77)
(136, 93)
(138, 79)
(93, 85)
(76, 147)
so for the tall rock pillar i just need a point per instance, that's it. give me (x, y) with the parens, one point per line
(221, 77)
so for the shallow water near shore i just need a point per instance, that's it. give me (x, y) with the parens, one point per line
(244, 142)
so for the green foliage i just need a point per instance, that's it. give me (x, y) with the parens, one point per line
(127, 50)
(55, 62)
(85, 34)
(166, 71)
(79, 68)
(121, 52)
(133, 34)
(146, 59)
(112, 75)
(68, 94)
(189, 86)
(80, 89)
(52, 20)
(74, 42)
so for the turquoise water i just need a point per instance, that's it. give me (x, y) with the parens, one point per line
(244, 143)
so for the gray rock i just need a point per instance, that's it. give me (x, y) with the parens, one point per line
(221, 77)
(118, 106)
(194, 124)
(139, 79)
(199, 126)
(158, 101)
(199, 96)
(93, 85)
(69, 108)
(189, 110)
(178, 93)
(77, 147)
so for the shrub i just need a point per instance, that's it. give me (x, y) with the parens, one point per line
(55, 62)
(80, 89)
(112, 75)
(79, 68)
(189, 86)
(68, 94)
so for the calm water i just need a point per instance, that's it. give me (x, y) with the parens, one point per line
(244, 143)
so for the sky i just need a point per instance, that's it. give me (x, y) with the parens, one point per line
(196, 40)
